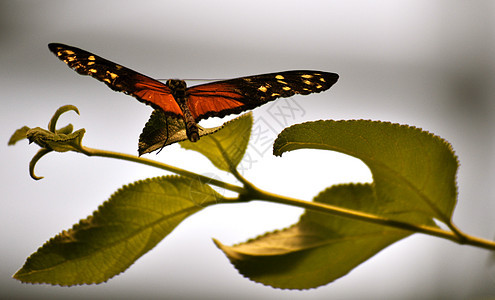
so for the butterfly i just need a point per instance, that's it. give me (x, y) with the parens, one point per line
(175, 99)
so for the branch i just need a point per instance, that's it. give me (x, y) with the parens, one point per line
(103, 153)
(455, 236)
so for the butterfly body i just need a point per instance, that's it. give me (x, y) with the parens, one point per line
(178, 89)
(215, 99)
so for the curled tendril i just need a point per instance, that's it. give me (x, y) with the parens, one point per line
(58, 113)
(35, 159)
(60, 140)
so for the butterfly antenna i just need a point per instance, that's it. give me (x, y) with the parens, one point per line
(193, 79)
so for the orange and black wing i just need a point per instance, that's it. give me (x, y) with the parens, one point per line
(221, 98)
(118, 78)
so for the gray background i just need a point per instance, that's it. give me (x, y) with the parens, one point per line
(429, 64)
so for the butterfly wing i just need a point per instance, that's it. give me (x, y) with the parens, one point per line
(221, 98)
(118, 78)
(162, 130)
(216, 99)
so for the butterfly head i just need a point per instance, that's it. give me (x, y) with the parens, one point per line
(177, 86)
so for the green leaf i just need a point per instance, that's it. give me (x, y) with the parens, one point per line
(21, 133)
(125, 227)
(162, 130)
(18, 135)
(56, 141)
(319, 248)
(226, 147)
(409, 165)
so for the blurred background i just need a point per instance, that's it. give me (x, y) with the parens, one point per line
(429, 64)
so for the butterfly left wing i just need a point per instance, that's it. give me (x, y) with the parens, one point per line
(162, 130)
(118, 78)
(221, 98)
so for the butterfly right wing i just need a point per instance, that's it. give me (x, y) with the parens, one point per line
(118, 78)
(232, 96)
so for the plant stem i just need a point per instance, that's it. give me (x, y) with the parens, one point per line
(103, 153)
(250, 192)
(457, 237)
